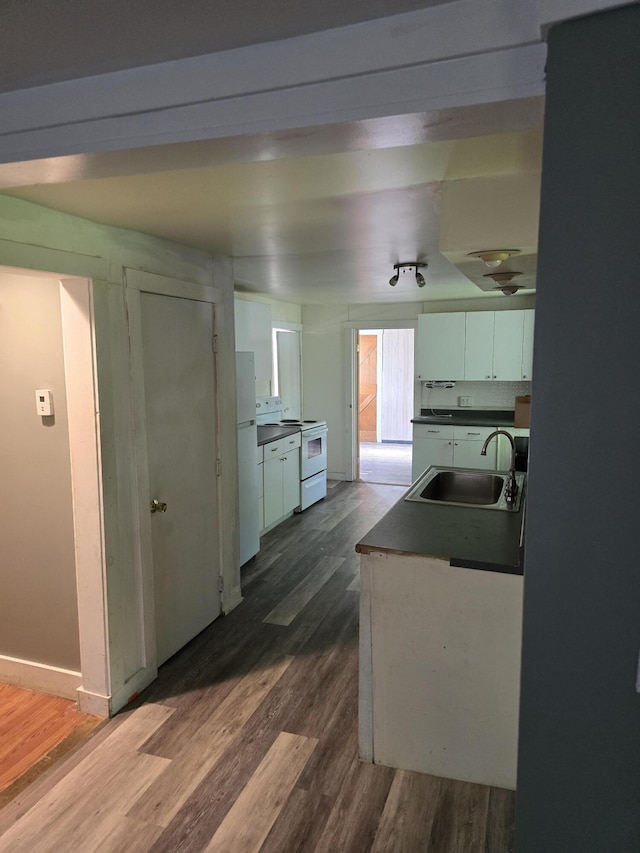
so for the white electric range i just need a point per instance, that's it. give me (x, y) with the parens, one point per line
(313, 448)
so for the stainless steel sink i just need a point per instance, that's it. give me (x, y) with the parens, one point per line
(465, 487)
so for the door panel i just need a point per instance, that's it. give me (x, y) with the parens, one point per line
(368, 388)
(179, 391)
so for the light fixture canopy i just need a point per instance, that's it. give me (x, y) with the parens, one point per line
(404, 266)
(494, 257)
(503, 280)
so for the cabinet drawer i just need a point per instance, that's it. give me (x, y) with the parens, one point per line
(273, 449)
(472, 433)
(432, 431)
(291, 441)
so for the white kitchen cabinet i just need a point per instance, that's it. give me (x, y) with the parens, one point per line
(281, 471)
(452, 446)
(254, 334)
(261, 488)
(432, 445)
(527, 344)
(476, 345)
(440, 347)
(478, 353)
(507, 346)
(467, 444)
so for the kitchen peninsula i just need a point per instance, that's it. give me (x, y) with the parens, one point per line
(440, 637)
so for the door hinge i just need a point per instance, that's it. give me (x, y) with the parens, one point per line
(220, 584)
(214, 341)
(218, 467)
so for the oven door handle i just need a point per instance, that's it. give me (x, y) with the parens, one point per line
(314, 433)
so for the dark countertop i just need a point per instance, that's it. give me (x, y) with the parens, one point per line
(273, 433)
(470, 417)
(467, 537)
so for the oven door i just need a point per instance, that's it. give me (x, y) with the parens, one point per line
(313, 452)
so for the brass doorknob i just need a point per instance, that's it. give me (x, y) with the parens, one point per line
(158, 506)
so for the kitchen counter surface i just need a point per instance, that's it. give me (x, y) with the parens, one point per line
(466, 537)
(471, 417)
(273, 433)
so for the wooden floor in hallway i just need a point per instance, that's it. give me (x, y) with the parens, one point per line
(247, 741)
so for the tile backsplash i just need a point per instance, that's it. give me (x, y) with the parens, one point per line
(484, 395)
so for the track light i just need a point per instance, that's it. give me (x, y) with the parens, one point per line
(494, 257)
(503, 280)
(404, 266)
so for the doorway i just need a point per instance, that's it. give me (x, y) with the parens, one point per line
(385, 405)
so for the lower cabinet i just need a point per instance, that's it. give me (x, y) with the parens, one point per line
(453, 446)
(281, 478)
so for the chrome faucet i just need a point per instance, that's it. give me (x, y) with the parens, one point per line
(512, 487)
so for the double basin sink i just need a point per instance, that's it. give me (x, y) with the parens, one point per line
(466, 487)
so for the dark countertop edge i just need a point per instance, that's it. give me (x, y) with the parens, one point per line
(486, 567)
(473, 417)
(274, 433)
(455, 562)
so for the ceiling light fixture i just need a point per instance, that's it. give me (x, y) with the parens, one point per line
(494, 257)
(404, 266)
(503, 280)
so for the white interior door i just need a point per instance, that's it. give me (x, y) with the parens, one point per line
(180, 394)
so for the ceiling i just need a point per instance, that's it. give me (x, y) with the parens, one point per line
(318, 215)
(42, 41)
(315, 216)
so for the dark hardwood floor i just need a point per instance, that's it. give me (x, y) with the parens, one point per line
(247, 741)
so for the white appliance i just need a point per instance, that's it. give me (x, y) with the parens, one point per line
(313, 449)
(248, 489)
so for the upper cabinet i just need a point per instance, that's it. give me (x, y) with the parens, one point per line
(481, 345)
(440, 350)
(253, 334)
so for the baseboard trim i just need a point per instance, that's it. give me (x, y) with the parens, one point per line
(40, 677)
(235, 598)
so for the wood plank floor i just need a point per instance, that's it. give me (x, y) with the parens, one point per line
(247, 741)
(385, 462)
(35, 730)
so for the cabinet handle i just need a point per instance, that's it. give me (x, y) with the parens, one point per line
(524, 375)
(473, 433)
(495, 377)
(435, 431)
(488, 376)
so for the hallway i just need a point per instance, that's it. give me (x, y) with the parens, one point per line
(248, 739)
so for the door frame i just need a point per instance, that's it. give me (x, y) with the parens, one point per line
(351, 331)
(137, 282)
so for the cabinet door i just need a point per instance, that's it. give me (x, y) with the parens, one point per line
(440, 350)
(273, 503)
(261, 496)
(478, 352)
(507, 345)
(290, 481)
(254, 334)
(466, 454)
(527, 344)
(430, 451)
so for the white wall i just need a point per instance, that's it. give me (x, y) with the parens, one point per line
(40, 239)
(283, 312)
(37, 572)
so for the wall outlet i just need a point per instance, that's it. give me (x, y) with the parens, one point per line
(464, 401)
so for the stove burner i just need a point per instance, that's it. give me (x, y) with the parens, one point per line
(289, 421)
